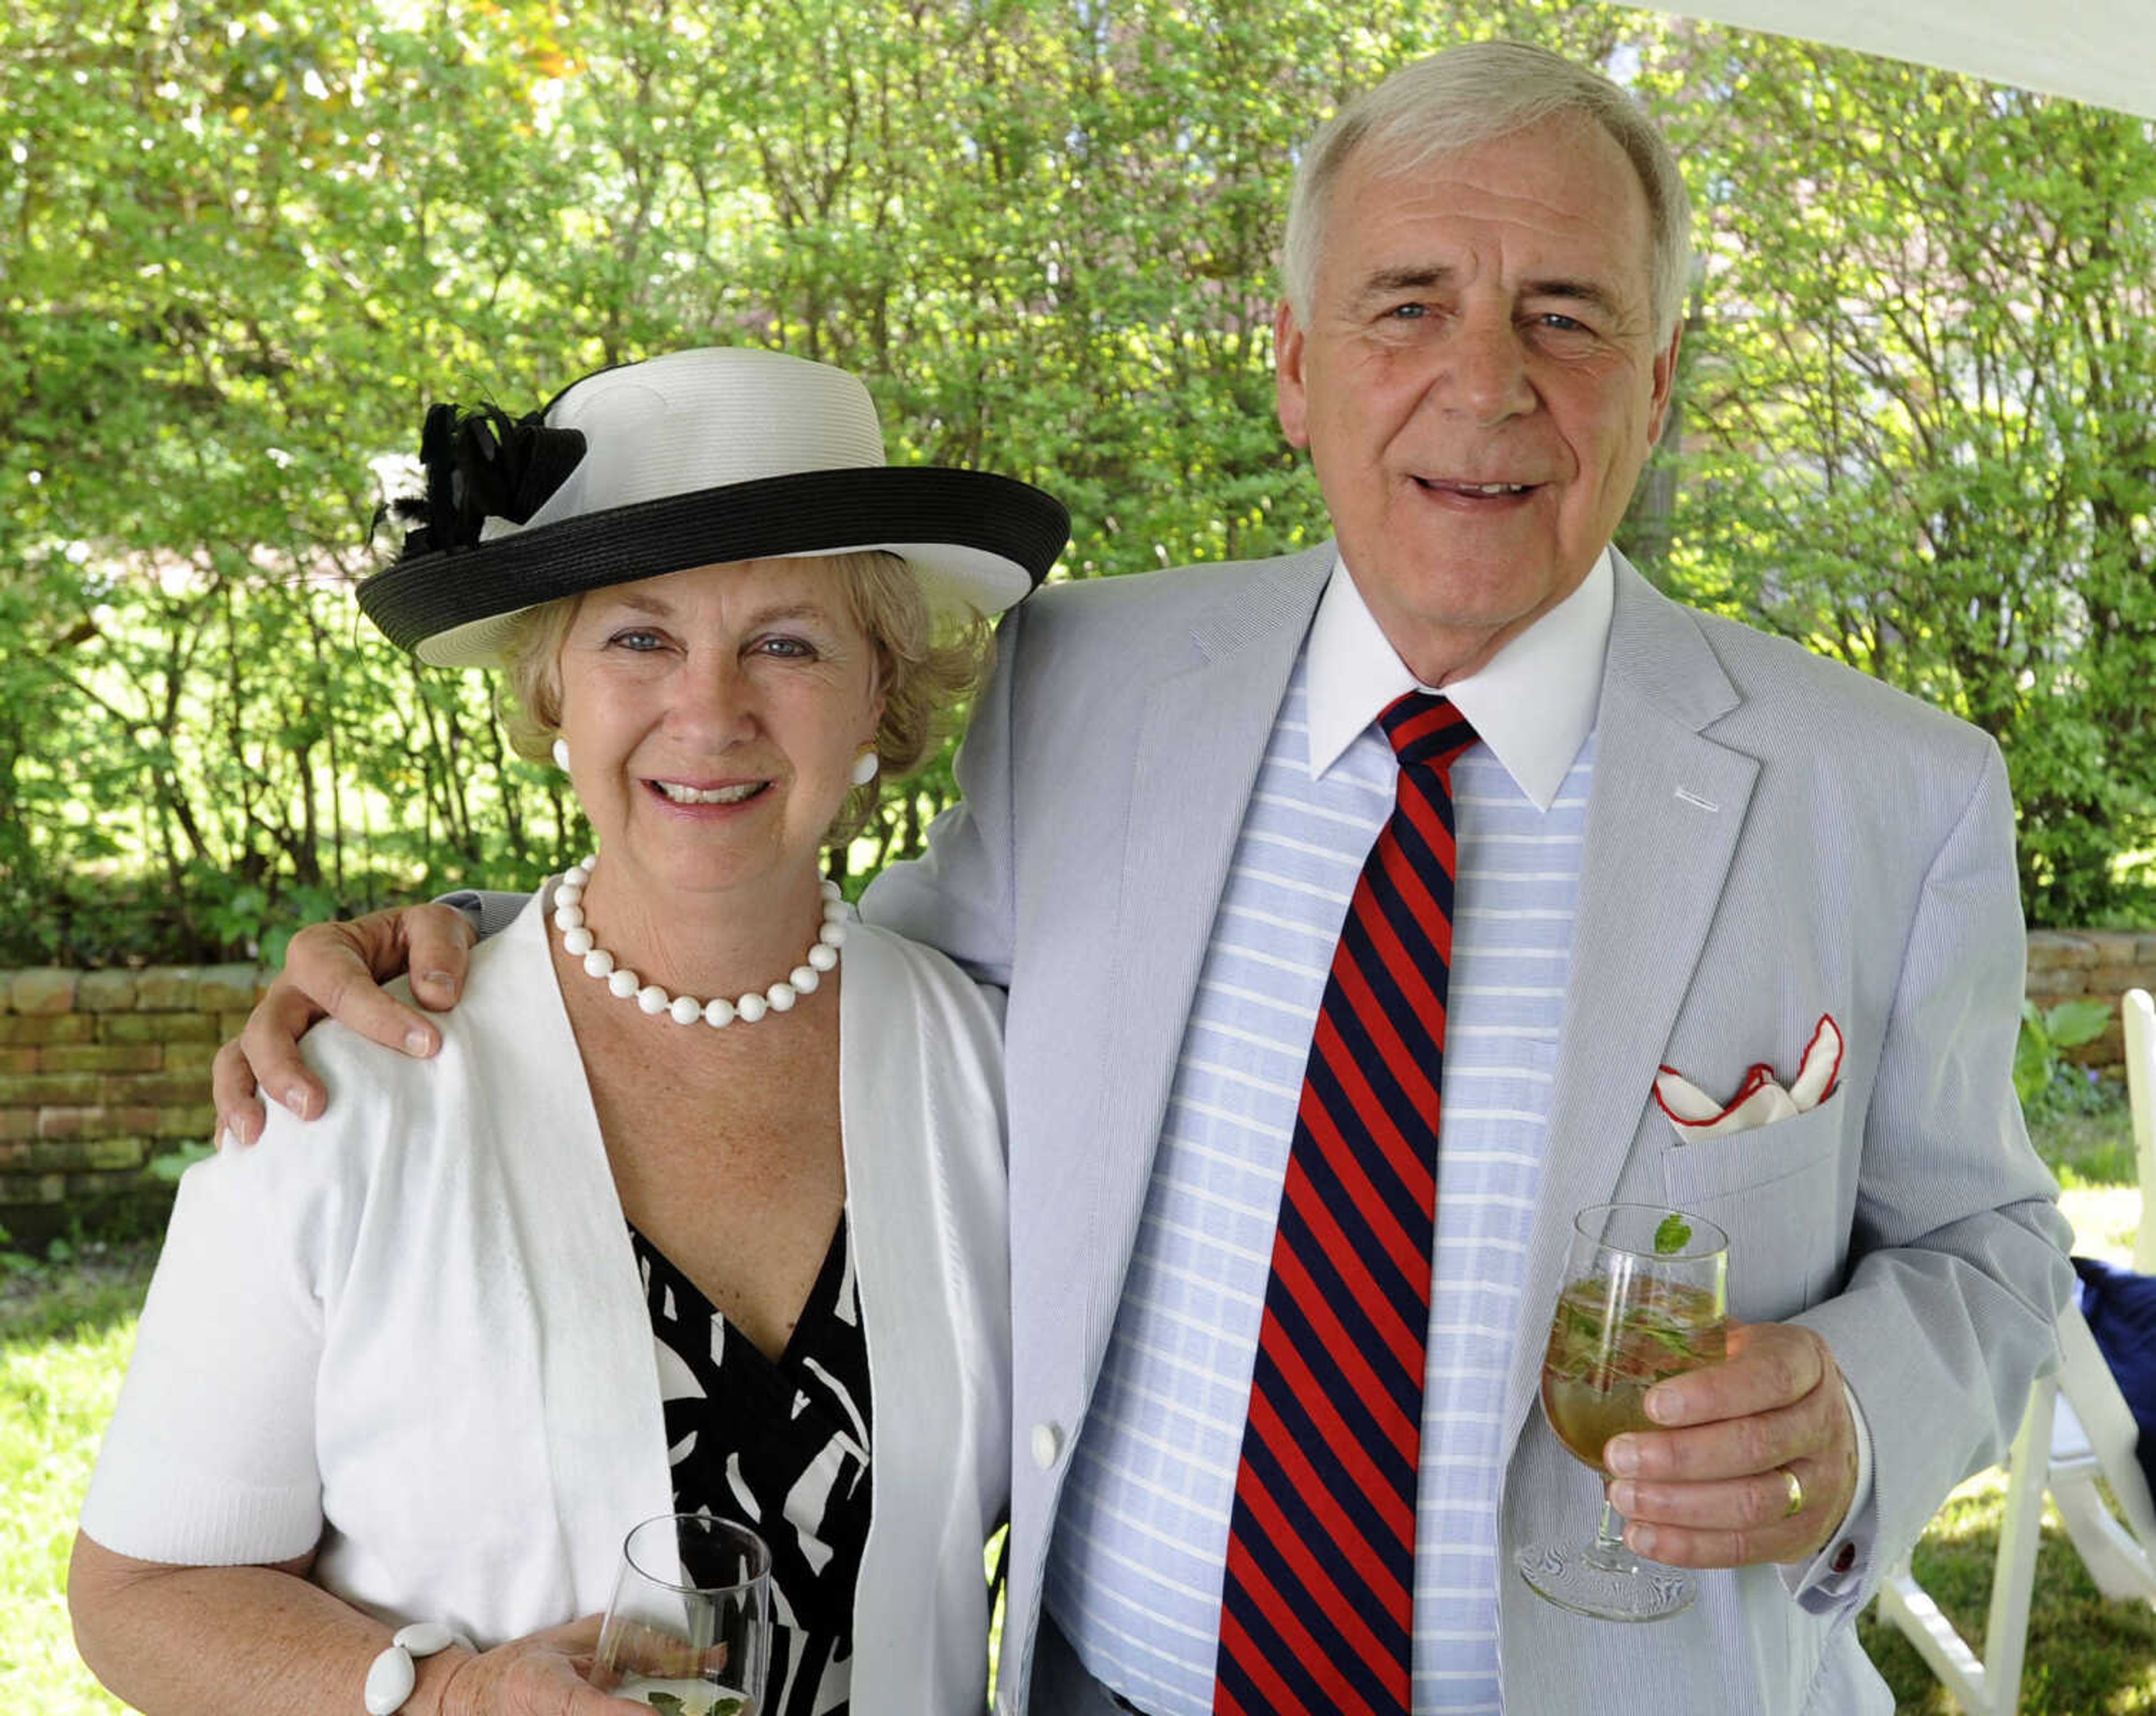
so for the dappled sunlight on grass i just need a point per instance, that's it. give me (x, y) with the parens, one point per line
(2086, 1656)
(1972, 1511)
(59, 1379)
(2106, 1220)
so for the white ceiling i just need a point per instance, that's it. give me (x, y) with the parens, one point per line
(2102, 51)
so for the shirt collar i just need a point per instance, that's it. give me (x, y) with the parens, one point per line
(1533, 704)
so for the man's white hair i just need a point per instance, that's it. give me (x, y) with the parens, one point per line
(1467, 95)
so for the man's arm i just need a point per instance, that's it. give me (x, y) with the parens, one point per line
(960, 895)
(1958, 1267)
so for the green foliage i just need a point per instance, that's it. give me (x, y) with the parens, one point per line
(2046, 1031)
(14, 1264)
(2084, 1130)
(242, 251)
(1918, 411)
(168, 1165)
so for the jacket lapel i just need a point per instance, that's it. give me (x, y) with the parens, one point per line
(1201, 738)
(1663, 818)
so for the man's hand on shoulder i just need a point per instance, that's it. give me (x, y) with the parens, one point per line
(336, 970)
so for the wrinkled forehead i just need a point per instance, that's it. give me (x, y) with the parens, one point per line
(1562, 186)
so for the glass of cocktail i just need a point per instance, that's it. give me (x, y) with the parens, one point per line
(1646, 1295)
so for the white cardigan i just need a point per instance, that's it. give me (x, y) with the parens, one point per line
(414, 1333)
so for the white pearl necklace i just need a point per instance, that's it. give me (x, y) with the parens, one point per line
(577, 942)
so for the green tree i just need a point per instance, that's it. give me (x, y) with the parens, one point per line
(1918, 433)
(242, 253)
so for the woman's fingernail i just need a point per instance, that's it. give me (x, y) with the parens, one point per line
(417, 1041)
(1622, 1456)
(297, 1101)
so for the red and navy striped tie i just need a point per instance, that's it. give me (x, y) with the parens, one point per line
(1318, 1612)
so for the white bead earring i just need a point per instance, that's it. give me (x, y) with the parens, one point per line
(562, 755)
(865, 766)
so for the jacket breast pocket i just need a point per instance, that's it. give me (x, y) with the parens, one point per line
(1774, 1191)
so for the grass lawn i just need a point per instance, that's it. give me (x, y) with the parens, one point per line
(2086, 1657)
(65, 1330)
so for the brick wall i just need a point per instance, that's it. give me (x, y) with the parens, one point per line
(2099, 965)
(99, 1071)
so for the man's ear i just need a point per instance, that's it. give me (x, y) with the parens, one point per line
(1290, 401)
(1665, 375)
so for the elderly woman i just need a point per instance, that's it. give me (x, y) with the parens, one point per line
(700, 1206)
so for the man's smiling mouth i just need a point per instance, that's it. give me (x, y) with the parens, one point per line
(1446, 486)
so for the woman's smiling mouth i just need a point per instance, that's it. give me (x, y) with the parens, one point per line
(674, 792)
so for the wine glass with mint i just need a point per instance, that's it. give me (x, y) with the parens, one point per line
(1646, 1295)
(689, 1630)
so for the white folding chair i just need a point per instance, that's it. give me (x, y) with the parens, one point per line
(2139, 1013)
(2076, 1430)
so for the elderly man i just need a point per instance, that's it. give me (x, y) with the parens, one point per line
(1351, 906)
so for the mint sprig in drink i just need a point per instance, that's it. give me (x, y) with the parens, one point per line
(1609, 1346)
(683, 1698)
(689, 1630)
(1645, 1297)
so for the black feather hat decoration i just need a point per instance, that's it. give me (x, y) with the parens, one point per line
(482, 463)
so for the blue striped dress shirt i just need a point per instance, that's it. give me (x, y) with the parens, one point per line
(1134, 1576)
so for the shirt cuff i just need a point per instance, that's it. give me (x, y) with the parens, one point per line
(1838, 1571)
(487, 913)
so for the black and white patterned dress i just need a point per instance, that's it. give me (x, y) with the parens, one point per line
(782, 1448)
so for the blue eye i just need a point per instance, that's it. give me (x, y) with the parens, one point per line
(786, 648)
(637, 639)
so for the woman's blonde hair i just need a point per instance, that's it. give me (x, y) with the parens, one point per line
(923, 670)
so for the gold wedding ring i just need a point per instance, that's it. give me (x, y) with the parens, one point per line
(1796, 1493)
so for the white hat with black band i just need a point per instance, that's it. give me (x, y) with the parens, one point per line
(694, 458)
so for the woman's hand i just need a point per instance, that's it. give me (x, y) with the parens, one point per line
(337, 969)
(543, 1675)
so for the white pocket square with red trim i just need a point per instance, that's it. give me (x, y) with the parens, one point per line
(1761, 1100)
